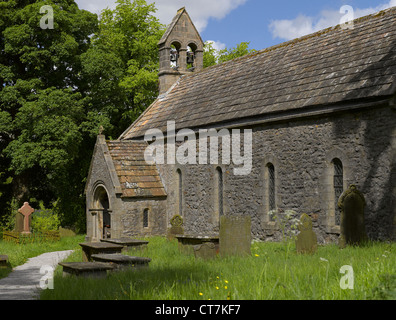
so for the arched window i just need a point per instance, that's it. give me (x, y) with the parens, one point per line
(145, 218)
(220, 190)
(174, 54)
(271, 187)
(338, 185)
(191, 48)
(180, 191)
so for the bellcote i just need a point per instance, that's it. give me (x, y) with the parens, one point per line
(180, 50)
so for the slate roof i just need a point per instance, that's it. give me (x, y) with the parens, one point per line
(328, 67)
(136, 177)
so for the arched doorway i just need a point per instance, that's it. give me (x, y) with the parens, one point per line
(103, 219)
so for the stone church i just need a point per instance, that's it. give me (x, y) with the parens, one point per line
(321, 110)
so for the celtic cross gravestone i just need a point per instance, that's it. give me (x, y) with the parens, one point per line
(26, 211)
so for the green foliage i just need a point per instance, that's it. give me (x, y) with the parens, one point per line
(45, 220)
(386, 289)
(122, 63)
(43, 122)
(57, 86)
(18, 254)
(268, 274)
(213, 56)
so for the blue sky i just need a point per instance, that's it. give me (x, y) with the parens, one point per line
(262, 23)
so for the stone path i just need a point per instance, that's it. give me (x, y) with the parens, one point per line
(23, 283)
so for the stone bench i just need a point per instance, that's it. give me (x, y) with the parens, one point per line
(90, 248)
(127, 243)
(121, 262)
(86, 269)
(3, 261)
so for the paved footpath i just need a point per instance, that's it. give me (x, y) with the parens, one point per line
(23, 283)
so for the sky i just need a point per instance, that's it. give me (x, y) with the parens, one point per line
(262, 23)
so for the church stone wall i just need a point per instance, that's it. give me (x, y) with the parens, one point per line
(302, 152)
(126, 213)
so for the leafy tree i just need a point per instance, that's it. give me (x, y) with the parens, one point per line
(123, 63)
(213, 56)
(42, 112)
(58, 85)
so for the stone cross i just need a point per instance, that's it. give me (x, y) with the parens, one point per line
(176, 227)
(306, 241)
(26, 210)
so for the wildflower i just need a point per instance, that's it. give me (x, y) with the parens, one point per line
(226, 281)
(225, 287)
(217, 288)
(256, 255)
(201, 294)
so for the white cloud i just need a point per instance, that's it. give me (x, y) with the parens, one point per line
(95, 6)
(217, 45)
(303, 25)
(200, 10)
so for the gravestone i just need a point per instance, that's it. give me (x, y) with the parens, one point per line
(176, 227)
(19, 222)
(306, 241)
(235, 235)
(26, 211)
(206, 250)
(352, 204)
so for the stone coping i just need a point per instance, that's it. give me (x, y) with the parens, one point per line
(125, 241)
(120, 259)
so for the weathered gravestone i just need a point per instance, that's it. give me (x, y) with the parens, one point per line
(176, 227)
(235, 235)
(352, 204)
(306, 241)
(206, 250)
(19, 222)
(26, 211)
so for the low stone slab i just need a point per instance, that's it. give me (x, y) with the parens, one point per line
(121, 261)
(3, 260)
(187, 242)
(86, 269)
(90, 248)
(127, 243)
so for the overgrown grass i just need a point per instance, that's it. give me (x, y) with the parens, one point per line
(273, 271)
(19, 253)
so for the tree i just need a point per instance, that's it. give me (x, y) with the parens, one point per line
(57, 86)
(213, 56)
(123, 63)
(42, 112)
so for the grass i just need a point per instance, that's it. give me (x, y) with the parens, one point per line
(273, 271)
(18, 254)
